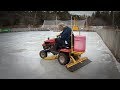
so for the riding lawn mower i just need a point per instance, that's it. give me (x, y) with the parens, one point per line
(70, 57)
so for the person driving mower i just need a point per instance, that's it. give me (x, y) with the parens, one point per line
(64, 37)
(67, 54)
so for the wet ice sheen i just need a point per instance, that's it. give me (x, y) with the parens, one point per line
(19, 57)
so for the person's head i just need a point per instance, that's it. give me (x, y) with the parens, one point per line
(61, 26)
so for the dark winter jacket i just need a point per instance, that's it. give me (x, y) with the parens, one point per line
(65, 35)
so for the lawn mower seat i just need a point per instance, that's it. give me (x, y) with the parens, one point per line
(69, 43)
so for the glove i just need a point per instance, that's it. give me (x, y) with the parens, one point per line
(58, 36)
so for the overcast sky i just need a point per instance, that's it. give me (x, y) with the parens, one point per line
(81, 12)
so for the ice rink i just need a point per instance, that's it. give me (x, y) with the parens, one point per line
(19, 58)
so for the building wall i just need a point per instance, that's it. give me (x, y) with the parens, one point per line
(111, 38)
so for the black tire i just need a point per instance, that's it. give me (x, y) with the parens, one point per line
(63, 58)
(43, 54)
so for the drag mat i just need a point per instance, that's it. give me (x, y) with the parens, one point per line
(79, 65)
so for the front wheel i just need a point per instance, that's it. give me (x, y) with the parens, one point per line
(43, 54)
(63, 58)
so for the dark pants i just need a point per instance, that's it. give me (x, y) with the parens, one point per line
(59, 43)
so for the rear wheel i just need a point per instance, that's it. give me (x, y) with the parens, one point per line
(43, 54)
(63, 58)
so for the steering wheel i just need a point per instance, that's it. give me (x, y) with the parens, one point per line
(58, 36)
